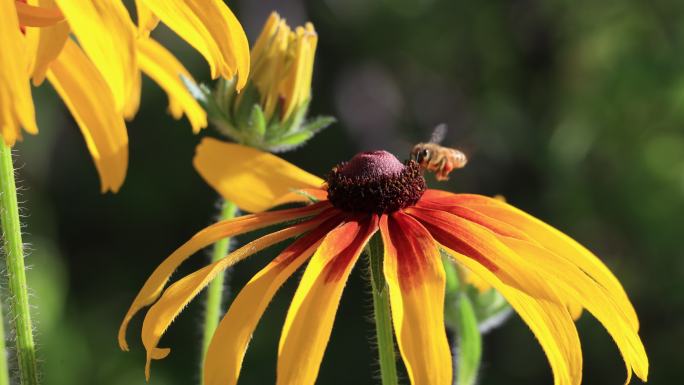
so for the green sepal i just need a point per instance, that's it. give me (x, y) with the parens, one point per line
(318, 123)
(289, 142)
(298, 136)
(225, 94)
(241, 117)
(295, 120)
(257, 122)
(244, 106)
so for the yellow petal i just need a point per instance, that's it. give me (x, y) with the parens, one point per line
(555, 241)
(106, 33)
(38, 16)
(177, 296)
(264, 40)
(160, 64)
(575, 284)
(550, 323)
(575, 309)
(415, 277)
(310, 318)
(212, 29)
(45, 43)
(469, 239)
(533, 295)
(157, 280)
(16, 103)
(296, 87)
(227, 349)
(90, 101)
(475, 280)
(252, 179)
(132, 103)
(147, 21)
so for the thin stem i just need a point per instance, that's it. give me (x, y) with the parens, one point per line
(16, 274)
(383, 317)
(215, 289)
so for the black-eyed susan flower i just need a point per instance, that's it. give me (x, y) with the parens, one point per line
(99, 78)
(271, 113)
(539, 270)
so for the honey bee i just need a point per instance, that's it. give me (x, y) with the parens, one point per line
(438, 159)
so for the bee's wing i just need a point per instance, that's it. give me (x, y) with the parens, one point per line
(439, 133)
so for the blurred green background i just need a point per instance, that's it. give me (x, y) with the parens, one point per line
(574, 110)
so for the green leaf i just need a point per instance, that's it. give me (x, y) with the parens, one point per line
(469, 345)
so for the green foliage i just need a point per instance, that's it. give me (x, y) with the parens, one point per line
(469, 345)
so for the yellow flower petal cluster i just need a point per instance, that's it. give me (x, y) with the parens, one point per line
(282, 65)
(99, 78)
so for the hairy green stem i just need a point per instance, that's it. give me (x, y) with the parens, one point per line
(20, 314)
(383, 317)
(4, 370)
(215, 289)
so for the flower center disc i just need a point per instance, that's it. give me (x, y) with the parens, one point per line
(375, 182)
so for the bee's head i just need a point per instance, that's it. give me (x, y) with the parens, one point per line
(420, 153)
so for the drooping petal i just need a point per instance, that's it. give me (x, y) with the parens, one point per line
(147, 21)
(132, 103)
(46, 43)
(575, 310)
(253, 179)
(550, 322)
(16, 103)
(178, 295)
(107, 34)
(212, 29)
(534, 293)
(157, 280)
(498, 227)
(160, 64)
(415, 276)
(553, 240)
(38, 16)
(310, 318)
(227, 349)
(90, 102)
(574, 283)
(576, 288)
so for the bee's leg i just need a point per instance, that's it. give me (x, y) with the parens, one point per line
(445, 170)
